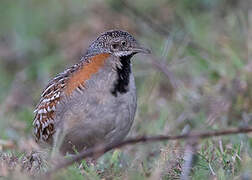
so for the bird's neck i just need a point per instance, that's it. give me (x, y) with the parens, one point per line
(121, 84)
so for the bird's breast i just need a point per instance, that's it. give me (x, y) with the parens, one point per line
(94, 114)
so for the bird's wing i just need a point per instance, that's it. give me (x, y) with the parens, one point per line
(65, 83)
(44, 112)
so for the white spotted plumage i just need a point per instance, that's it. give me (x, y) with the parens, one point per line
(44, 112)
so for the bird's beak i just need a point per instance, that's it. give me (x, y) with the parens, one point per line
(139, 49)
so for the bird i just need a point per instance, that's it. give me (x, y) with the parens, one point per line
(94, 101)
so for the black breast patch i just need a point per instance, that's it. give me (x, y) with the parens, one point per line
(122, 83)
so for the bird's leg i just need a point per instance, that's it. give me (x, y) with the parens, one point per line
(57, 142)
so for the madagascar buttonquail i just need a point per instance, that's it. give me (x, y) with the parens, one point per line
(94, 101)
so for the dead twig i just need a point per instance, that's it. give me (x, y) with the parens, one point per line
(107, 147)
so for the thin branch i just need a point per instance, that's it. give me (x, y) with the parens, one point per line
(107, 147)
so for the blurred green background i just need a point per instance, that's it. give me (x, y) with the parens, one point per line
(204, 45)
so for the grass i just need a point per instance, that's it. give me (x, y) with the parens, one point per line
(207, 52)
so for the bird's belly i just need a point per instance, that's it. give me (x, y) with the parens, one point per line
(104, 118)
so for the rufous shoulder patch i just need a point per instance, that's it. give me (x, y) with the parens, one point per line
(79, 77)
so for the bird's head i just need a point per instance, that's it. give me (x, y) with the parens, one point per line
(118, 43)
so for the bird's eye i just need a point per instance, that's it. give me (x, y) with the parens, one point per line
(123, 43)
(114, 46)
